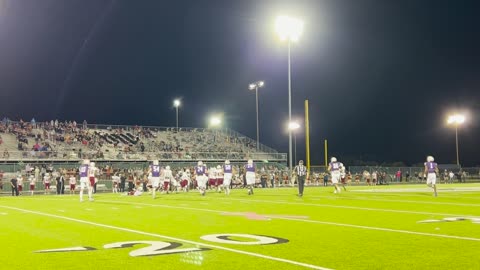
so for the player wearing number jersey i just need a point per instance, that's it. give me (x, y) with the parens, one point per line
(83, 173)
(431, 170)
(201, 177)
(334, 169)
(154, 171)
(227, 176)
(250, 176)
(31, 180)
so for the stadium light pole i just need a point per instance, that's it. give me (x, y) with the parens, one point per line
(293, 126)
(456, 120)
(289, 29)
(255, 86)
(176, 104)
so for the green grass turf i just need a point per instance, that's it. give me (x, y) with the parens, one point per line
(335, 231)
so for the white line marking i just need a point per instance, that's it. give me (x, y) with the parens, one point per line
(63, 211)
(354, 208)
(328, 223)
(64, 250)
(403, 201)
(385, 229)
(170, 238)
(88, 209)
(3, 214)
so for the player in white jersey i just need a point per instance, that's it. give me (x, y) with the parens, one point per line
(115, 183)
(92, 179)
(227, 176)
(212, 177)
(20, 183)
(334, 169)
(31, 180)
(46, 183)
(167, 179)
(343, 176)
(72, 181)
(219, 178)
(184, 180)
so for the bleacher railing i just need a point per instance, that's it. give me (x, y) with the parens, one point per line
(75, 155)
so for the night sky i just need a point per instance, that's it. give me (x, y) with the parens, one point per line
(380, 75)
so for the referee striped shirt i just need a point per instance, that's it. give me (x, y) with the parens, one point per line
(301, 170)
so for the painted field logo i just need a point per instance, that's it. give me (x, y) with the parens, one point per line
(156, 248)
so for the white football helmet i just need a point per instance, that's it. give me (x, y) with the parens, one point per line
(200, 163)
(430, 159)
(168, 167)
(86, 161)
(92, 164)
(333, 159)
(227, 161)
(155, 162)
(250, 161)
(218, 167)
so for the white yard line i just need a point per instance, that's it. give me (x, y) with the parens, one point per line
(403, 201)
(355, 208)
(169, 238)
(325, 223)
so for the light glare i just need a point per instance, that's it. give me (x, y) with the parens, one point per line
(215, 121)
(176, 103)
(293, 125)
(288, 28)
(456, 119)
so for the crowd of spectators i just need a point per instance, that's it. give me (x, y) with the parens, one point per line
(71, 140)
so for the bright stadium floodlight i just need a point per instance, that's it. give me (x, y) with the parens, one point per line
(456, 120)
(293, 125)
(215, 121)
(289, 29)
(255, 86)
(176, 104)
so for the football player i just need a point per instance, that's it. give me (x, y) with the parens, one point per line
(73, 182)
(334, 169)
(201, 177)
(83, 172)
(167, 178)
(155, 173)
(227, 176)
(219, 180)
(46, 183)
(343, 176)
(431, 170)
(92, 180)
(31, 179)
(250, 176)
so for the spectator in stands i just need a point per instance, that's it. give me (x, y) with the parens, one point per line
(6, 154)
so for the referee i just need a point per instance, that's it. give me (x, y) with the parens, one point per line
(301, 172)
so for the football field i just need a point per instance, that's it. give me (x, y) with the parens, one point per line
(383, 227)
